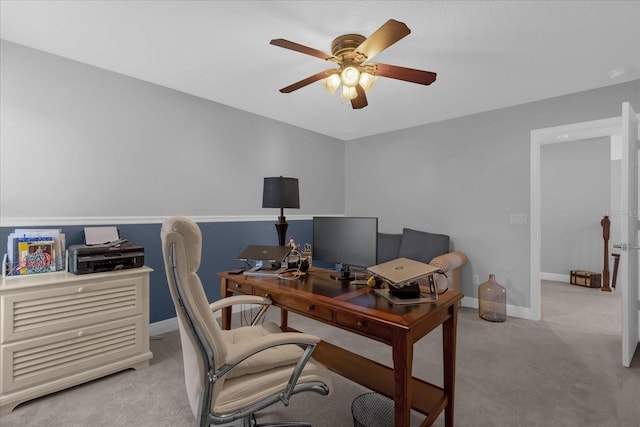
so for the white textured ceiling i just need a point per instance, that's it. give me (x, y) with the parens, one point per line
(488, 54)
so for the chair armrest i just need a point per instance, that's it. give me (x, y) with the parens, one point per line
(449, 264)
(237, 353)
(449, 261)
(238, 299)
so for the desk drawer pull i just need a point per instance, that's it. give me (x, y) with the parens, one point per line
(238, 286)
(267, 296)
(311, 307)
(360, 324)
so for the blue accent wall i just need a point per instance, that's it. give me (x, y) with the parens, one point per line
(221, 242)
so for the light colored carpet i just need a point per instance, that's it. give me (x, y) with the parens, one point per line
(576, 308)
(562, 371)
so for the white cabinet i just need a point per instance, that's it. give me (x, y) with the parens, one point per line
(60, 329)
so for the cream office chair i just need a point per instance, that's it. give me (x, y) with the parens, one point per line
(230, 375)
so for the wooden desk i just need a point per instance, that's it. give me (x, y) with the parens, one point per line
(361, 311)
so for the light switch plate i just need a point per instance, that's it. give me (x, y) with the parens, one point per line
(518, 219)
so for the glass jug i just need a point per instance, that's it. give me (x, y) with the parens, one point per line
(492, 299)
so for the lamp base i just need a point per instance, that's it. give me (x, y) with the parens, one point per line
(281, 227)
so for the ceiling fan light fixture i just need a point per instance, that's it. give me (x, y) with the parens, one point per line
(350, 76)
(355, 72)
(348, 93)
(367, 80)
(332, 83)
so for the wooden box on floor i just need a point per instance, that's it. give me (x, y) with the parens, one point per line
(586, 278)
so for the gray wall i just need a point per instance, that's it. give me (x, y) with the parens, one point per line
(466, 176)
(113, 146)
(78, 141)
(575, 193)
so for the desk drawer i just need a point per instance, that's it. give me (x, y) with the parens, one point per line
(363, 326)
(241, 288)
(303, 307)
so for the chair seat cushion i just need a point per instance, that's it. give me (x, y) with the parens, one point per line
(265, 360)
(242, 391)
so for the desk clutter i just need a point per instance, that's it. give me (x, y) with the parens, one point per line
(275, 261)
(401, 281)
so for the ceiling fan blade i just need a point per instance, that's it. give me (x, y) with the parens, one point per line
(407, 74)
(301, 48)
(304, 82)
(389, 33)
(359, 101)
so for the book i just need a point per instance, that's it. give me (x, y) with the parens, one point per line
(12, 249)
(37, 255)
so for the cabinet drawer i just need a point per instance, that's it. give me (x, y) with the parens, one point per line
(45, 311)
(45, 359)
(306, 308)
(363, 326)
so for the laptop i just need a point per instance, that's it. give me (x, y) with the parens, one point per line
(263, 253)
(268, 259)
(401, 271)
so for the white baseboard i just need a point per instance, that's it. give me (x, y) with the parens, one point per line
(512, 310)
(163, 326)
(555, 277)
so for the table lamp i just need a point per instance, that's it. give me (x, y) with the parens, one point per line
(281, 192)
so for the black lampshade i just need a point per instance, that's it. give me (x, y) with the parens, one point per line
(280, 192)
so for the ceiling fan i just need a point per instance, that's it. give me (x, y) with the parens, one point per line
(351, 52)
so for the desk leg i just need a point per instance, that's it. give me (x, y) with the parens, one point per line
(403, 367)
(449, 329)
(226, 312)
(284, 318)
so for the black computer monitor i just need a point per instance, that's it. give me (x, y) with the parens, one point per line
(350, 241)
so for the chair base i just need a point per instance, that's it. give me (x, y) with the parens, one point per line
(251, 422)
(290, 424)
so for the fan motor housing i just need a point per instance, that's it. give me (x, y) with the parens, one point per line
(346, 44)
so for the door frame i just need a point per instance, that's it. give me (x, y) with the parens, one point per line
(552, 135)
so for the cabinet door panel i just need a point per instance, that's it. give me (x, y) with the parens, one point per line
(31, 314)
(36, 361)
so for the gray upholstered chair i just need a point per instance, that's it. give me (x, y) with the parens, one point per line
(230, 375)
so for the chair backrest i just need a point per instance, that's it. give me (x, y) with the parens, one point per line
(203, 348)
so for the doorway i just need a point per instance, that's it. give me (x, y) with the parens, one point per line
(578, 187)
(539, 137)
(627, 127)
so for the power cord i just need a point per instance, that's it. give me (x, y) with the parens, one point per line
(295, 272)
(447, 288)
